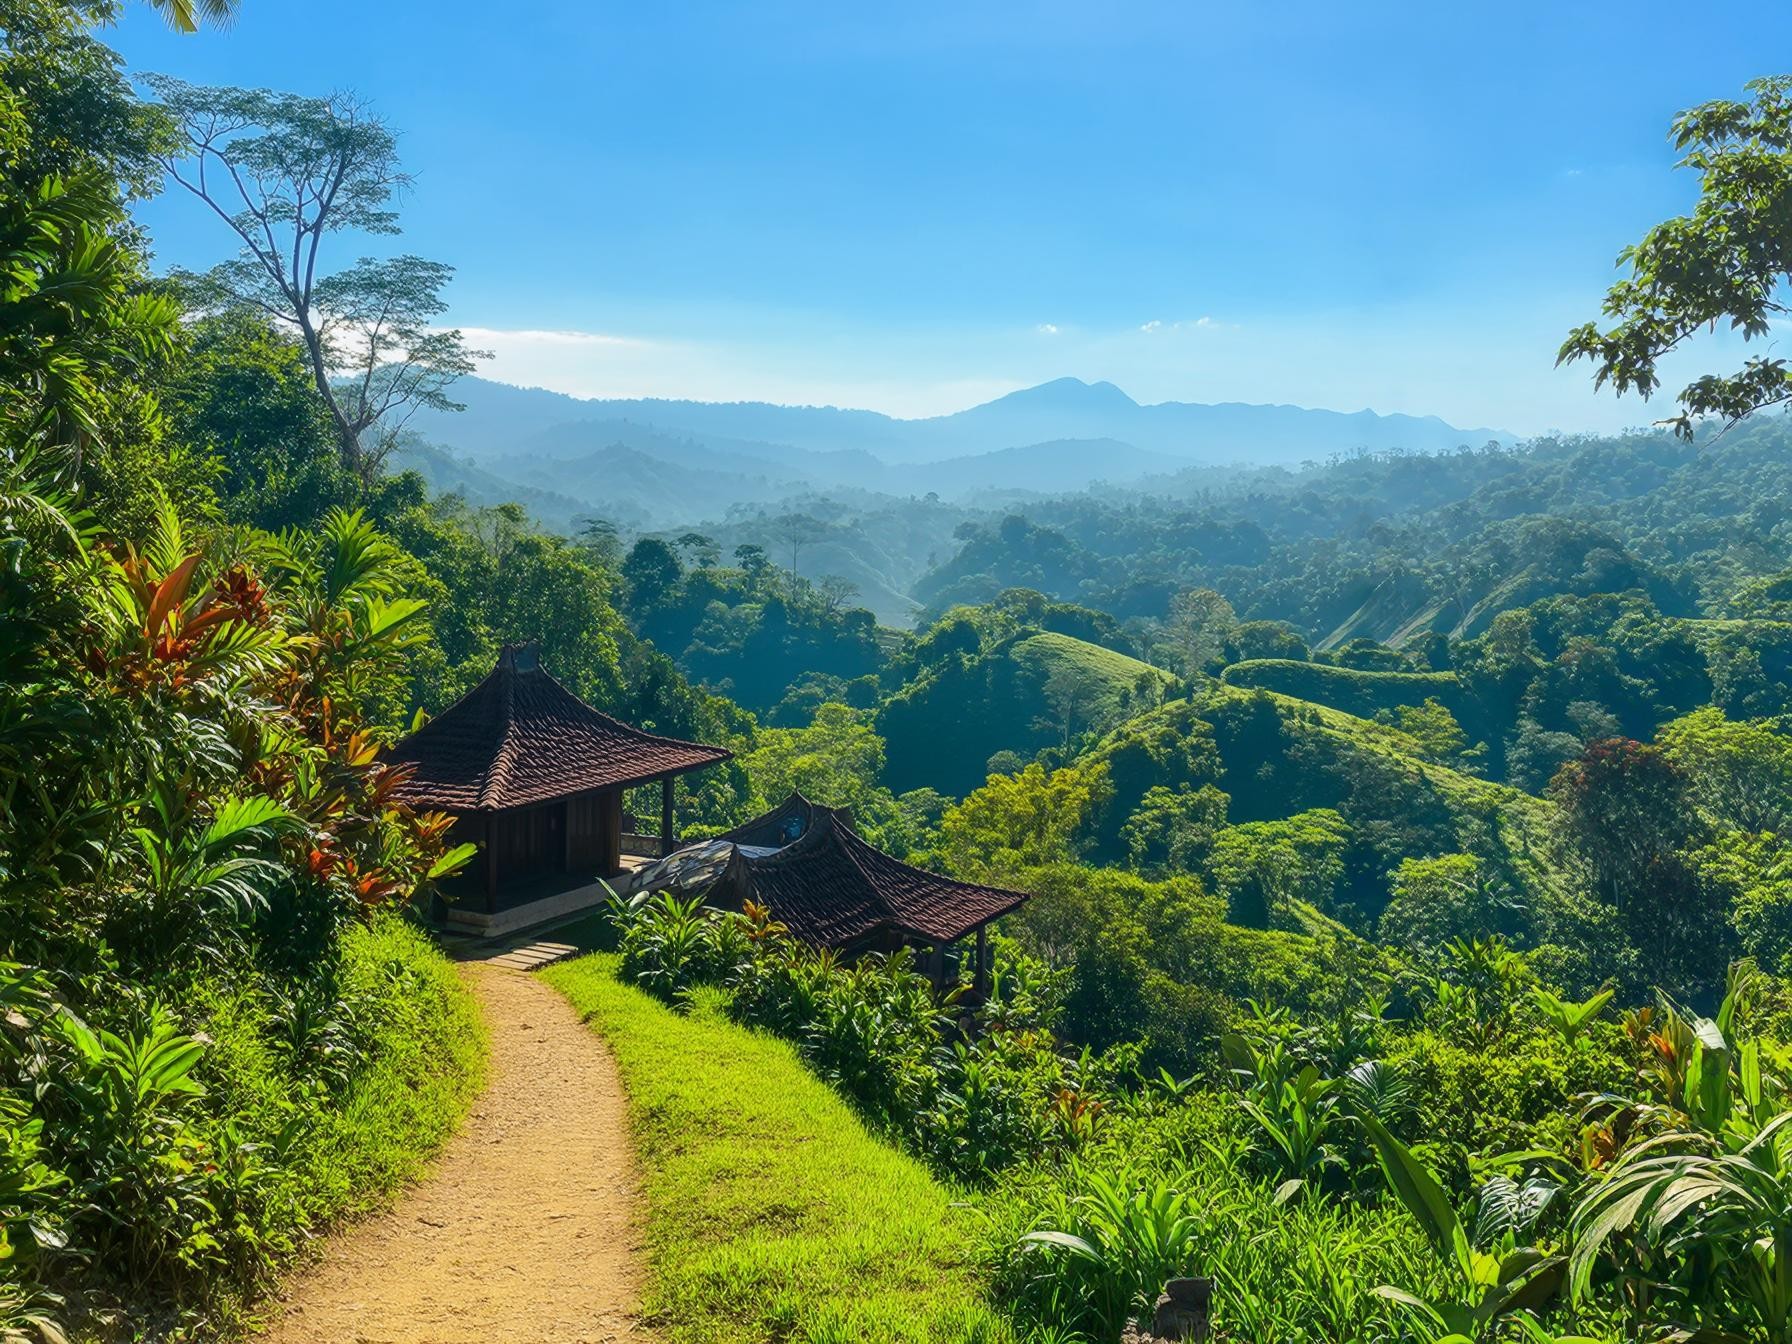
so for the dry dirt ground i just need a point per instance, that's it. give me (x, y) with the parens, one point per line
(529, 1227)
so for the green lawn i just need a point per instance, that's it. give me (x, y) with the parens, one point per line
(772, 1214)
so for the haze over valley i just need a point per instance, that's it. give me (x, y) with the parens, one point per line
(596, 743)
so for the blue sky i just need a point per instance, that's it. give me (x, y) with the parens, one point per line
(1395, 206)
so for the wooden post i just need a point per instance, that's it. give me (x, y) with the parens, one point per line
(610, 861)
(491, 863)
(980, 978)
(668, 841)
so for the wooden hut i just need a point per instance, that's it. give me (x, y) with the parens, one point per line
(535, 777)
(807, 864)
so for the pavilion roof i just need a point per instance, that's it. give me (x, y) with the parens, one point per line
(834, 890)
(519, 738)
(786, 822)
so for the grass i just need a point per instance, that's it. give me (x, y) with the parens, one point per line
(1113, 672)
(332, 1157)
(773, 1215)
(1348, 689)
(429, 1066)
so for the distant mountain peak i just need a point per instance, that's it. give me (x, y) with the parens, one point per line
(1067, 394)
(833, 446)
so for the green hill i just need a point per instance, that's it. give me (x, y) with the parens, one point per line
(1275, 756)
(1346, 688)
(1031, 691)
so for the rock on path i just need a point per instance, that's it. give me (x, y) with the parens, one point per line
(527, 1230)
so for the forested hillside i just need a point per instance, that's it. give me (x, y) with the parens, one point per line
(1408, 933)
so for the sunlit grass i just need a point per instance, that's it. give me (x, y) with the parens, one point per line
(429, 1066)
(772, 1214)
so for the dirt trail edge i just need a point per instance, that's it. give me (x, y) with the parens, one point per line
(529, 1227)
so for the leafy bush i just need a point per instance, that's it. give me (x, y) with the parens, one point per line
(197, 844)
(971, 1101)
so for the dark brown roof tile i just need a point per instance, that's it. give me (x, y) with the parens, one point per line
(519, 738)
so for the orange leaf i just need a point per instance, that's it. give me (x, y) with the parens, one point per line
(170, 593)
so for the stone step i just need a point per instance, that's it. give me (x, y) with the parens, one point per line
(529, 956)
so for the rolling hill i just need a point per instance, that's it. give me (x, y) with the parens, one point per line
(943, 727)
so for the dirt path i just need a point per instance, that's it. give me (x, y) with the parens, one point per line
(526, 1231)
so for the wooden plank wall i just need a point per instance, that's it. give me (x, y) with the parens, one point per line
(594, 833)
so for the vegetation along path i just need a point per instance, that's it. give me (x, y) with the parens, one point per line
(527, 1229)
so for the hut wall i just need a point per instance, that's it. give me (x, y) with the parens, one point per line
(594, 833)
(530, 841)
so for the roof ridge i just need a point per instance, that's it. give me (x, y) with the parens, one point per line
(520, 738)
(942, 877)
(498, 773)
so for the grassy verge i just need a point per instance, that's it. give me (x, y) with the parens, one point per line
(429, 1066)
(772, 1214)
(327, 1157)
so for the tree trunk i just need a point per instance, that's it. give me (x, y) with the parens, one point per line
(348, 442)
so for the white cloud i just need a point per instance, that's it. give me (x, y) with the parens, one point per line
(1047, 328)
(1156, 325)
(715, 367)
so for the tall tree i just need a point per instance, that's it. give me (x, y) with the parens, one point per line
(285, 173)
(1728, 262)
(1201, 621)
(79, 332)
(1624, 811)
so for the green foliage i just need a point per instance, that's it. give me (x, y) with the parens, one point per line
(1267, 869)
(1741, 768)
(881, 1032)
(1156, 962)
(1751, 876)
(1491, 1285)
(203, 820)
(755, 631)
(1723, 262)
(244, 394)
(1081, 1248)
(836, 760)
(1434, 729)
(1032, 690)
(825, 1235)
(1015, 821)
(1353, 690)
(1625, 823)
(1173, 831)
(1123, 1239)
(1451, 896)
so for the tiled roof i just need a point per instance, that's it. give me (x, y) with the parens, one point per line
(519, 737)
(834, 890)
(786, 822)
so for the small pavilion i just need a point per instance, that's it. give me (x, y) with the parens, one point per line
(807, 864)
(535, 777)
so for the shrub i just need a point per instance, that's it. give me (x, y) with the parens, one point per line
(197, 843)
(970, 1101)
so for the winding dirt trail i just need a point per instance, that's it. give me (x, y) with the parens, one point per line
(528, 1227)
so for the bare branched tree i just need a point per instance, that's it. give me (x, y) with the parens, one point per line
(285, 172)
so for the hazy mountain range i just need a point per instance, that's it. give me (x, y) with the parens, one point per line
(1058, 436)
(739, 469)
